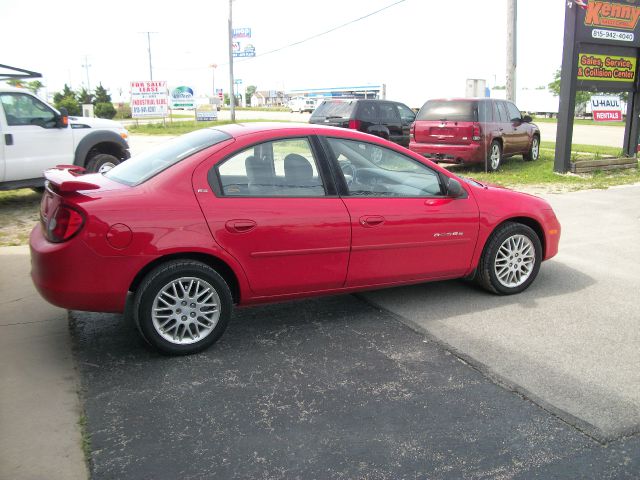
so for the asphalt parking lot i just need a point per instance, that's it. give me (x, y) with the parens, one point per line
(441, 381)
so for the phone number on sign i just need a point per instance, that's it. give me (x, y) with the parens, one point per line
(612, 35)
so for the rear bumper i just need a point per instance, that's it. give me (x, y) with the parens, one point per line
(447, 153)
(72, 276)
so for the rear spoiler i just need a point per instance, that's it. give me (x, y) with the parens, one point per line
(65, 178)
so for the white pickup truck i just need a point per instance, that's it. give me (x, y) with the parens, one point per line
(34, 136)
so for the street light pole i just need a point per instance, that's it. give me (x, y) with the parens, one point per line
(232, 100)
(213, 77)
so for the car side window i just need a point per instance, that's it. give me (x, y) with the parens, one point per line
(389, 113)
(502, 111)
(367, 112)
(21, 109)
(281, 168)
(485, 112)
(514, 113)
(373, 171)
(406, 114)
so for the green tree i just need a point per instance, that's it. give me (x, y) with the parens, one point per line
(35, 86)
(226, 99)
(15, 82)
(67, 99)
(101, 95)
(84, 97)
(251, 89)
(104, 110)
(554, 87)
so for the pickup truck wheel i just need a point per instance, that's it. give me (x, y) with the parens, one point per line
(98, 162)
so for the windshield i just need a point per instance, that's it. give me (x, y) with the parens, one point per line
(451, 110)
(140, 168)
(334, 109)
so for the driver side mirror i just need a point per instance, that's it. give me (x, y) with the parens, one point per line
(454, 189)
(62, 121)
(527, 119)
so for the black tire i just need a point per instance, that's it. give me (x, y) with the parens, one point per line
(95, 163)
(494, 159)
(486, 274)
(534, 151)
(149, 295)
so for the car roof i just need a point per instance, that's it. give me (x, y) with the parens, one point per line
(250, 128)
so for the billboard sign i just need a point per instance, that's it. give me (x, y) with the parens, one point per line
(606, 108)
(241, 32)
(149, 99)
(182, 97)
(238, 50)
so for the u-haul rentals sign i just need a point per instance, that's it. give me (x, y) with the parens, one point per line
(606, 108)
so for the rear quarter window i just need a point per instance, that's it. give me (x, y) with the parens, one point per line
(334, 110)
(449, 110)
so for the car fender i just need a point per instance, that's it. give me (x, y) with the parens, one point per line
(94, 138)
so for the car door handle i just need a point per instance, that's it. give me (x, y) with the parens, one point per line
(371, 220)
(434, 202)
(8, 139)
(240, 226)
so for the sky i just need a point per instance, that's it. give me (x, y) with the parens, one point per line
(420, 49)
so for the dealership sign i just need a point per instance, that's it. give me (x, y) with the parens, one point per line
(606, 108)
(182, 97)
(610, 22)
(149, 99)
(606, 68)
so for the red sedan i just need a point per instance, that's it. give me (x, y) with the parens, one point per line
(247, 214)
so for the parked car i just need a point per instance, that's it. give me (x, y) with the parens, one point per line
(36, 136)
(255, 213)
(383, 118)
(302, 104)
(474, 131)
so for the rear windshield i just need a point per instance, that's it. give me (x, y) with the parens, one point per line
(334, 110)
(451, 110)
(140, 168)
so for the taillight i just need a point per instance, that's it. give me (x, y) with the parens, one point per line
(355, 124)
(475, 132)
(63, 224)
(412, 131)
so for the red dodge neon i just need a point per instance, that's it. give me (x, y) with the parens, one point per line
(247, 214)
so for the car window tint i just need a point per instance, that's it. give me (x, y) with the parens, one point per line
(21, 109)
(373, 171)
(334, 109)
(502, 111)
(514, 113)
(281, 168)
(406, 114)
(389, 113)
(449, 110)
(367, 112)
(485, 112)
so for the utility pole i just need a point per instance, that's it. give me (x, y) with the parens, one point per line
(512, 48)
(232, 100)
(149, 51)
(86, 69)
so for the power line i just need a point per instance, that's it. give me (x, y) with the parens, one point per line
(303, 40)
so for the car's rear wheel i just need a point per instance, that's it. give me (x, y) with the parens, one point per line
(182, 307)
(511, 259)
(495, 156)
(102, 162)
(534, 151)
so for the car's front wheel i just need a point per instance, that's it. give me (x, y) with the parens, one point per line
(511, 259)
(534, 151)
(182, 307)
(102, 162)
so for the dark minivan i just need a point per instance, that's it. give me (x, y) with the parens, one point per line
(384, 118)
(474, 130)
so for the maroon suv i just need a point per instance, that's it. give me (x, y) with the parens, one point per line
(472, 130)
